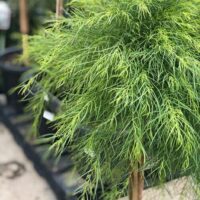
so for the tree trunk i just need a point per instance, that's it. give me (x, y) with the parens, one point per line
(136, 183)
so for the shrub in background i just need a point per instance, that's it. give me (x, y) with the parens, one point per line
(128, 76)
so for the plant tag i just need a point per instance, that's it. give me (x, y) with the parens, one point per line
(48, 115)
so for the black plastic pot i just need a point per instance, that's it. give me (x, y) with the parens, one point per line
(1, 83)
(11, 74)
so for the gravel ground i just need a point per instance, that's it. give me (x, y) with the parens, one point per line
(18, 179)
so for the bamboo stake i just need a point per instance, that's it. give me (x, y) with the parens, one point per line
(59, 8)
(24, 27)
(136, 183)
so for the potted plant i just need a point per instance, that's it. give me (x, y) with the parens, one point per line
(127, 73)
(11, 67)
(11, 71)
(50, 104)
(37, 11)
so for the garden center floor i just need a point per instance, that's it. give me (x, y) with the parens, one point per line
(19, 180)
(175, 190)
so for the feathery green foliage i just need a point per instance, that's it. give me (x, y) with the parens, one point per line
(128, 75)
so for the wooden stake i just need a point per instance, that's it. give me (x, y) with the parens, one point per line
(24, 28)
(59, 8)
(136, 183)
(24, 25)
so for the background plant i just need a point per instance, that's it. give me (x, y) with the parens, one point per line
(127, 73)
(38, 12)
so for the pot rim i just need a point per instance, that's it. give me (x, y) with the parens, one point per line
(9, 66)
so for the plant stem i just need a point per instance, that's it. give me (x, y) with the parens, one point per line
(25, 48)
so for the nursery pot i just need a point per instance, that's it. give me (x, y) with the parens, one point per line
(11, 74)
(1, 83)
